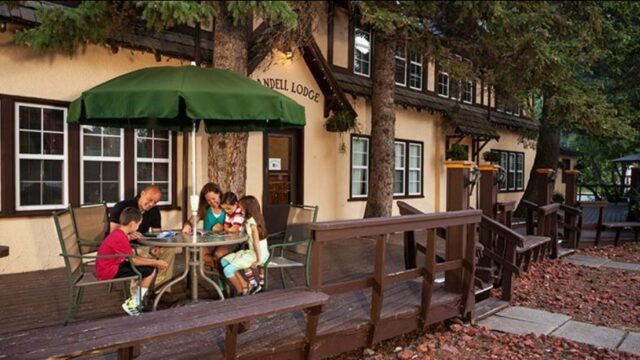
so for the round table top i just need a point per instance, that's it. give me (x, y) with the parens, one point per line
(206, 240)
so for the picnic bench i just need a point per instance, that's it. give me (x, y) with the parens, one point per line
(4, 251)
(126, 333)
(618, 227)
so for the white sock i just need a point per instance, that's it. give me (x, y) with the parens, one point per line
(140, 295)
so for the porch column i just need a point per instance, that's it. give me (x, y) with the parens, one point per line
(545, 186)
(458, 173)
(488, 201)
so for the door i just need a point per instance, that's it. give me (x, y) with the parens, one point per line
(282, 176)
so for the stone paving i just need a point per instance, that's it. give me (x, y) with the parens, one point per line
(599, 262)
(520, 320)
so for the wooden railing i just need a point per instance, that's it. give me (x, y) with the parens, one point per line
(543, 221)
(459, 271)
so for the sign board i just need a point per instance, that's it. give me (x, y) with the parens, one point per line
(275, 164)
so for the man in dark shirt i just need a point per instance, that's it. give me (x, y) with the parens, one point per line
(151, 220)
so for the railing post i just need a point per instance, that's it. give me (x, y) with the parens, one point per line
(316, 263)
(458, 173)
(377, 292)
(546, 181)
(571, 194)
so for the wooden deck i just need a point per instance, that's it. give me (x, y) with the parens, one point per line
(38, 299)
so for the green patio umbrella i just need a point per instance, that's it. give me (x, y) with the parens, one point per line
(179, 98)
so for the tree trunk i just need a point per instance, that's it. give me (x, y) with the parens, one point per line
(228, 151)
(383, 118)
(547, 153)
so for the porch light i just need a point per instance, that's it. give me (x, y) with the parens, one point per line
(288, 54)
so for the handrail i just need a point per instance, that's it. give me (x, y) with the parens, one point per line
(570, 209)
(506, 206)
(338, 230)
(495, 227)
(528, 203)
(548, 209)
(593, 204)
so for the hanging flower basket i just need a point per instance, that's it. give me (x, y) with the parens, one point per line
(341, 121)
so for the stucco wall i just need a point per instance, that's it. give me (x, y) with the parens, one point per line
(32, 240)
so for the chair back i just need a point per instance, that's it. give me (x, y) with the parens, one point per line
(68, 243)
(298, 219)
(91, 223)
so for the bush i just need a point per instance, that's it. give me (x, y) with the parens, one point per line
(457, 152)
(492, 157)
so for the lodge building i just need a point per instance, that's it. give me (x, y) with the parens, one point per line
(48, 164)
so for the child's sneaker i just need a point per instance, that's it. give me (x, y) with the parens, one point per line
(255, 289)
(130, 307)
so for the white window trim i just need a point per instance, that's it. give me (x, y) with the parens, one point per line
(168, 161)
(464, 92)
(512, 170)
(504, 186)
(102, 159)
(418, 169)
(519, 171)
(400, 58)
(370, 58)
(447, 84)
(64, 157)
(417, 64)
(360, 167)
(403, 166)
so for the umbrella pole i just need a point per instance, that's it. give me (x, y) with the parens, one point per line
(195, 259)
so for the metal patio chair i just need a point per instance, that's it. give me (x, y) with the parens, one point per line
(91, 223)
(296, 235)
(78, 274)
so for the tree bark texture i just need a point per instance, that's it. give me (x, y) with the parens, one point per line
(383, 118)
(228, 151)
(547, 153)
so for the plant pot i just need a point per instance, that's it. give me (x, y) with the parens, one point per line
(331, 126)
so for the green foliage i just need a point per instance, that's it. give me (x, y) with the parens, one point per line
(491, 156)
(161, 15)
(341, 121)
(457, 152)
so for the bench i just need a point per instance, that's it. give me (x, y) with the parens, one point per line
(125, 333)
(619, 226)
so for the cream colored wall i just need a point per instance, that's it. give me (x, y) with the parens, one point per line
(32, 240)
(341, 38)
(320, 31)
(509, 141)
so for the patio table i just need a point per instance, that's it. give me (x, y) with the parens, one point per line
(193, 261)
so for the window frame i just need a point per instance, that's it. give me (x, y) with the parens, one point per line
(359, 167)
(407, 145)
(369, 55)
(417, 65)
(102, 158)
(19, 156)
(168, 161)
(471, 92)
(406, 62)
(420, 169)
(402, 168)
(443, 85)
(512, 175)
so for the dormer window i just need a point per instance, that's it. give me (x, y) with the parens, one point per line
(415, 71)
(401, 65)
(467, 95)
(443, 84)
(362, 52)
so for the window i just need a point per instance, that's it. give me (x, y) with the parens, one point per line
(415, 169)
(153, 161)
(362, 52)
(401, 65)
(454, 89)
(102, 163)
(443, 84)
(400, 168)
(513, 164)
(467, 95)
(41, 157)
(415, 71)
(359, 166)
(407, 179)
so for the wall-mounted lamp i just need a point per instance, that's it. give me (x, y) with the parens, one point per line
(3, 26)
(471, 179)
